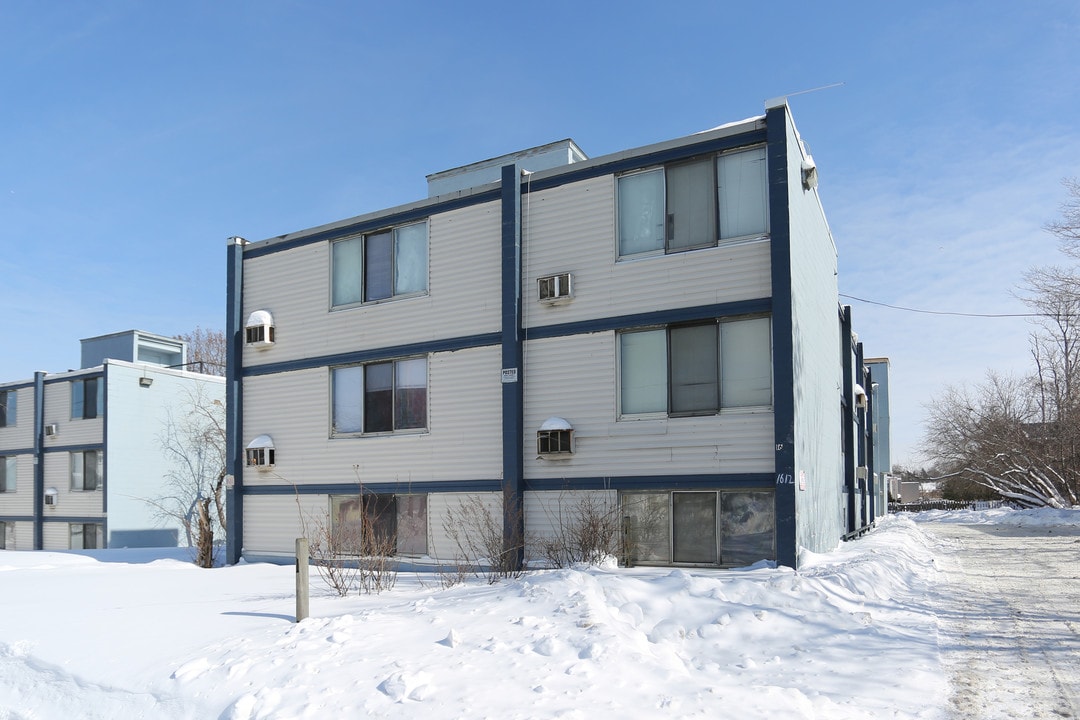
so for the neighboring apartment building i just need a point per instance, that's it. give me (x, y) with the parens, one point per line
(80, 454)
(658, 329)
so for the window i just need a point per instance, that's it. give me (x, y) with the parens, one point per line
(693, 204)
(86, 470)
(701, 527)
(9, 470)
(380, 524)
(88, 398)
(380, 265)
(7, 407)
(3, 536)
(379, 397)
(696, 369)
(85, 536)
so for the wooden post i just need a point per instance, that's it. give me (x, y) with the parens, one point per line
(302, 587)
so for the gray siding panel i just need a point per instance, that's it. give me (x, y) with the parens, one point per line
(461, 442)
(571, 228)
(294, 286)
(575, 378)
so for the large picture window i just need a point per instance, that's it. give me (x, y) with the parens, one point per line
(700, 527)
(380, 524)
(87, 398)
(696, 369)
(379, 397)
(693, 204)
(86, 470)
(380, 265)
(8, 407)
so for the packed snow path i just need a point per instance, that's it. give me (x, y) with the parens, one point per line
(1009, 620)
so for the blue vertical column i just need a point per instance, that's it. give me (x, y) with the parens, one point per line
(234, 399)
(860, 427)
(783, 336)
(513, 422)
(39, 459)
(848, 415)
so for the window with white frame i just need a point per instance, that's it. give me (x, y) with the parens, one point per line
(696, 369)
(86, 470)
(694, 203)
(379, 397)
(9, 470)
(86, 536)
(379, 265)
(8, 407)
(88, 398)
(380, 523)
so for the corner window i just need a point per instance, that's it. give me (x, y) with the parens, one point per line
(86, 536)
(7, 407)
(380, 524)
(379, 266)
(86, 470)
(87, 398)
(379, 397)
(696, 369)
(693, 204)
(9, 470)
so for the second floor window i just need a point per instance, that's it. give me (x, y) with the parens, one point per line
(86, 470)
(379, 397)
(380, 265)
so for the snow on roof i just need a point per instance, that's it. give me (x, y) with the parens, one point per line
(263, 441)
(259, 317)
(556, 423)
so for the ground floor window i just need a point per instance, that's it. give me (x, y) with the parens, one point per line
(380, 523)
(86, 536)
(3, 535)
(699, 527)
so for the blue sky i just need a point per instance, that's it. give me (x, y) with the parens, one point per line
(137, 136)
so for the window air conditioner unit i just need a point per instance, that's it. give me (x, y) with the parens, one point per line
(860, 472)
(259, 329)
(552, 289)
(51, 429)
(51, 496)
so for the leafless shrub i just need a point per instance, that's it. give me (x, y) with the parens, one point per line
(489, 544)
(587, 530)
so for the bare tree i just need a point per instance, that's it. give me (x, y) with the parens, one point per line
(206, 350)
(1020, 436)
(193, 439)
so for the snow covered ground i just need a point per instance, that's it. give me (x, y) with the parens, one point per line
(126, 634)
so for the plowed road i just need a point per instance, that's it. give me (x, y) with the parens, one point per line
(1009, 620)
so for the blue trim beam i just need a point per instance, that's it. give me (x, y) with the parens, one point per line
(783, 335)
(234, 397)
(513, 368)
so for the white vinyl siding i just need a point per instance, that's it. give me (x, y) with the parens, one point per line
(574, 378)
(549, 514)
(464, 416)
(571, 228)
(69, 503)
(58, 412)
(462, 298)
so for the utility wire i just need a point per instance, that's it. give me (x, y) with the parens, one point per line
(943, 312)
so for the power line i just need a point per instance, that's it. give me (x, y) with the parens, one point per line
(944, 312)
